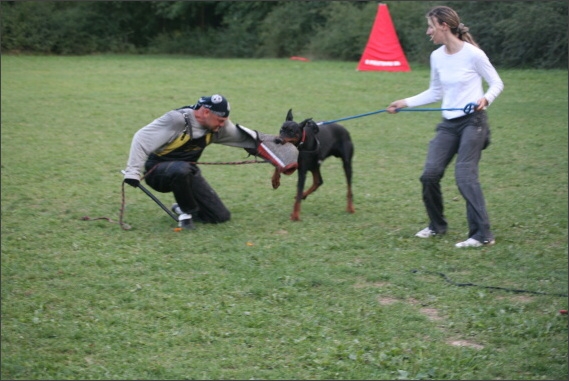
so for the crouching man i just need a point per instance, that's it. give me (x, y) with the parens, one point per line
(165, 153)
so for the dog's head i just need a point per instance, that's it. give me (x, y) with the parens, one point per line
(292, 132)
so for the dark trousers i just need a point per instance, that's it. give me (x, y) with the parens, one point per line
(464, 137)
(192, 192)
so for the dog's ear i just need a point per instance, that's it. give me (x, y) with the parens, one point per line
(309, 123)
(304, 123)
(289, 115)
(314, 126)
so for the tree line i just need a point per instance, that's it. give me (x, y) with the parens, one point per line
(524, 34)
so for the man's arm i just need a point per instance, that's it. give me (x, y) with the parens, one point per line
(282, 156)
(148, 139)
(236, 136)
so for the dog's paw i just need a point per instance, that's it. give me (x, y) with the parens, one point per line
(276, 180)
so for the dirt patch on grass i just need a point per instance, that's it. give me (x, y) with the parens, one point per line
(367, 284)
(464, 343)
(431, 313)
(385, 301)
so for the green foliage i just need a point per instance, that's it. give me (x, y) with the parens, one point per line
(521, 45)
(345, 33)
(25, 27)
(56, 27)
(287, 29)
(513, 34)
(261, 297)
(519, 34)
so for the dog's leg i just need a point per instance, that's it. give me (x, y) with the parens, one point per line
(295, 215)
(350, 197)
(316, 182)
(347, 162)
(276, 179)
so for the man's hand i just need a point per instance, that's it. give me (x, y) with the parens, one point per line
(132, 182)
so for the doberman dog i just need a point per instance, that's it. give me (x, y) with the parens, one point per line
(314, 145)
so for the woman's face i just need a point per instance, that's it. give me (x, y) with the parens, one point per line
(435, 31)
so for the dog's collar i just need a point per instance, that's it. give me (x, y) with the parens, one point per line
(301, 143)
(299, 146)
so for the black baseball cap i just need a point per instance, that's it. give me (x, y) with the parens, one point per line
(218, 104)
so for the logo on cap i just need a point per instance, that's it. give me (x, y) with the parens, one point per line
(217, 104)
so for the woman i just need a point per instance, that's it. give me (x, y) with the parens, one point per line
(457, 70)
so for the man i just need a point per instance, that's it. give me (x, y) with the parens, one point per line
(167, 149)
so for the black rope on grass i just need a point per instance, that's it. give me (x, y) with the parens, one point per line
(448, 280)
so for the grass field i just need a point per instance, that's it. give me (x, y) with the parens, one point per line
(261, 297)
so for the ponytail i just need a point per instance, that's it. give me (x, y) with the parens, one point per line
(463, 34)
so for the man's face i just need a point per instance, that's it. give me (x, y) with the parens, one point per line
(214, 122)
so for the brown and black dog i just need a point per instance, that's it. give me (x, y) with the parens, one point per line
(315, 143)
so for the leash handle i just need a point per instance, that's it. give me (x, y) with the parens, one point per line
(468, 109)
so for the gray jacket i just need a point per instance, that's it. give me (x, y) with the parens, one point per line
(163, 131)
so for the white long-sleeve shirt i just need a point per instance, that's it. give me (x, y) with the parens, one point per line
(457, 80)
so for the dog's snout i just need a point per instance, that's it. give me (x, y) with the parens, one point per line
(278, 141)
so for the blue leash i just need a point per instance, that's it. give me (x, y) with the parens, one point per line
(468, 109)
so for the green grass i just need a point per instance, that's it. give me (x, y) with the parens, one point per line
(330, 297)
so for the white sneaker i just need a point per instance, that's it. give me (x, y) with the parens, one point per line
(426, 233)
(471, 242)
(185, 221)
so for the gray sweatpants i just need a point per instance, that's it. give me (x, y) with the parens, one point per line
(465, 137)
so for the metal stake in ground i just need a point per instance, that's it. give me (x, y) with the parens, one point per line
(160, 204)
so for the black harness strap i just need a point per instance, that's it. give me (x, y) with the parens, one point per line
(187, 128)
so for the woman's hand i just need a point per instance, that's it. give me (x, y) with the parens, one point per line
(482, 104)
(396, 105)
